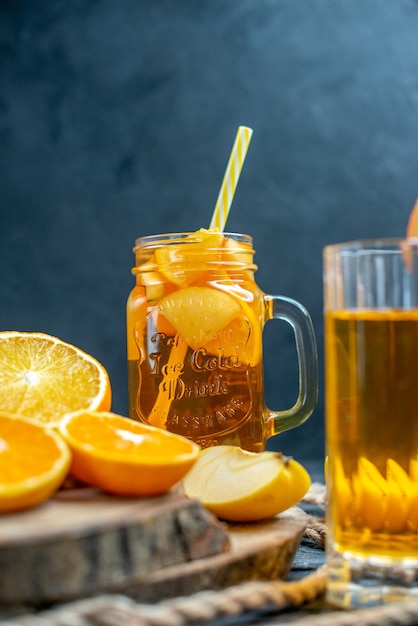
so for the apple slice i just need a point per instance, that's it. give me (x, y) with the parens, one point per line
(241, 486)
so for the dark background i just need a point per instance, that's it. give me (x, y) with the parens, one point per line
(117, 118)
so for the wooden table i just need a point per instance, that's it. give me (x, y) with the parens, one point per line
(83, 544)
(307, 560)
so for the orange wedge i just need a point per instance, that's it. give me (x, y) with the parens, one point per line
(239, 253)
(34, 461)
(124, 457)
(154, 282)
(44, 378)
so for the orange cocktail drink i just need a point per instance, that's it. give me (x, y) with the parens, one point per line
(194, 323)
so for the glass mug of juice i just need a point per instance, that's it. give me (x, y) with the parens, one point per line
(371, 363)
(195, 320)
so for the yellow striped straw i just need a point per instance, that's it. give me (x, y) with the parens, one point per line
(231, 177)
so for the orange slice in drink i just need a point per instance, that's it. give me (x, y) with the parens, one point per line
(187, 262)
(124, 457)
(154, 281)
(238, 260)
(34, 461)
(43, 377)
(198, 313)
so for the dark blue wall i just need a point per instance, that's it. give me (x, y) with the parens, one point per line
(116, 120)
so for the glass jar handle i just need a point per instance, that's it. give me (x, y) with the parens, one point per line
(292, 312)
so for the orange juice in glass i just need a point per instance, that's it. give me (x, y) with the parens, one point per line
(195, 320)
(371, 383)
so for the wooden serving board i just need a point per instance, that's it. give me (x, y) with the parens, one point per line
(259, 551)
(83, 542)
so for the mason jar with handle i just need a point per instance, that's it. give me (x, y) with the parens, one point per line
(195, 320)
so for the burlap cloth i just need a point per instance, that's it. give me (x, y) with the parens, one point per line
(256, 602)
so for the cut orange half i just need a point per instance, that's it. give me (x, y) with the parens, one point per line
(34, 461)
(198, 313)
(121, 456)
(43, 377)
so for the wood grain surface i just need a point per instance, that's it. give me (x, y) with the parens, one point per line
(259, 551)
(83, 542)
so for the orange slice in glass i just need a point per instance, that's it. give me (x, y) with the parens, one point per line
(187, 262)
(154, 281)
(121, 456)
(237, 251)
(198, 313)
(43, 377)
(34, 461)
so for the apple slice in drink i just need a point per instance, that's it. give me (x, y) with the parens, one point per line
(241, 338)
(198, 313)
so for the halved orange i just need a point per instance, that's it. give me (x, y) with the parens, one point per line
(122, 456)
(198, 313)
(34, 461)
(43, 377)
